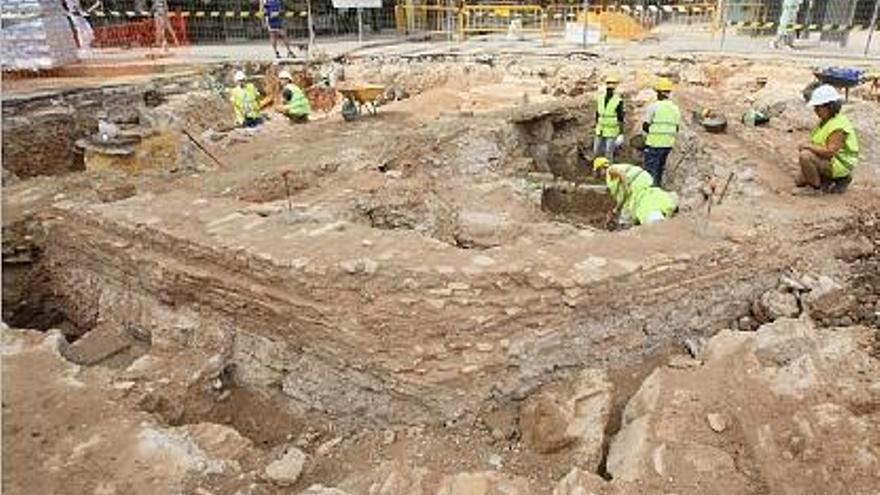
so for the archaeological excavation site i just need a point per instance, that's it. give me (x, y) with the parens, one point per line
(427, 287)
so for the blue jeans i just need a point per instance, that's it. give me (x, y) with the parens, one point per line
(604, 146)
(655, 161)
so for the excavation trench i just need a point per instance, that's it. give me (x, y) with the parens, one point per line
(581, 205)
(347, 308)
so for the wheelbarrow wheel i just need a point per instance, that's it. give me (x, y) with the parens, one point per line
(350, 111)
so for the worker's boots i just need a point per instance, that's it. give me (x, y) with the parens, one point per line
(837, 186)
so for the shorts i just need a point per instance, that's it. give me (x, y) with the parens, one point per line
(275, 22)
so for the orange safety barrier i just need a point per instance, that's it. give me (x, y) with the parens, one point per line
(137, 33)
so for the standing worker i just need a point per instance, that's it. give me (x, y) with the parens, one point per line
(661, 126)
(245, 101)
(828, 161)
(609, 120)
(295, 103)
(636, 199)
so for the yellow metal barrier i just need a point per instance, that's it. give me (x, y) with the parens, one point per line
(430, 19)
(481, 19)
(624, 21)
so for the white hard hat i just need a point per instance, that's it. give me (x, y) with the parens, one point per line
(822, 95)
(239, 76)
(284, 75)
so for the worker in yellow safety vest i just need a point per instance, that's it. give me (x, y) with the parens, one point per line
(661, 123)
(609, 119)
(295, 104)
(828, 160)
(635, 197)
(245, 100)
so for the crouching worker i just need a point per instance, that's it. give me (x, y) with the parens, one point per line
(295, 104)
(636, 198)
(245, 101)
(828, 161)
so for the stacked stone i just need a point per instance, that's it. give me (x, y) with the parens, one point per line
(36, 35)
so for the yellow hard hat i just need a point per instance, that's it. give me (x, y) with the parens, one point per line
(612, 80)
(600, 162)
(663, 84)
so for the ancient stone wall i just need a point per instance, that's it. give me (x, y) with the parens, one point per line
(331, 341)
(40, 130)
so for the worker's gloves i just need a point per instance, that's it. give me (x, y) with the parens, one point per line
(619, 141)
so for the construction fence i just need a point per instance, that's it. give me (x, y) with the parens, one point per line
(460, 20)
(790, 20)
(149, 23)
(543, 20)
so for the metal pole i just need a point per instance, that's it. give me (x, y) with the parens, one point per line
(586, 21)
(872, 27)
(450, 23)
(723, 22)
(311, 28)
(360, 25)
(716, 18)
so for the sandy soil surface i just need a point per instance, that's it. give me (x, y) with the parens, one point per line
(418, 318)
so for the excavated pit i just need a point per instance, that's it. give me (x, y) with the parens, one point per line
(584, 205)
(353, 331)
(409, 282)
(439, 290)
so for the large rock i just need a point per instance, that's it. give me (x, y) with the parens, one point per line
(219, 441)
(775, 304)
(575, 414)
(108, 193)
(483, 483)
(544, 423)
(192, 450)
(99, 345)
(780, 402)
(392, 478)
(286, 470)
(482, 229)
(579, 482)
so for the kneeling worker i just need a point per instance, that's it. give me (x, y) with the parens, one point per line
(828, 161)
(295, 103)
(634, 194)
